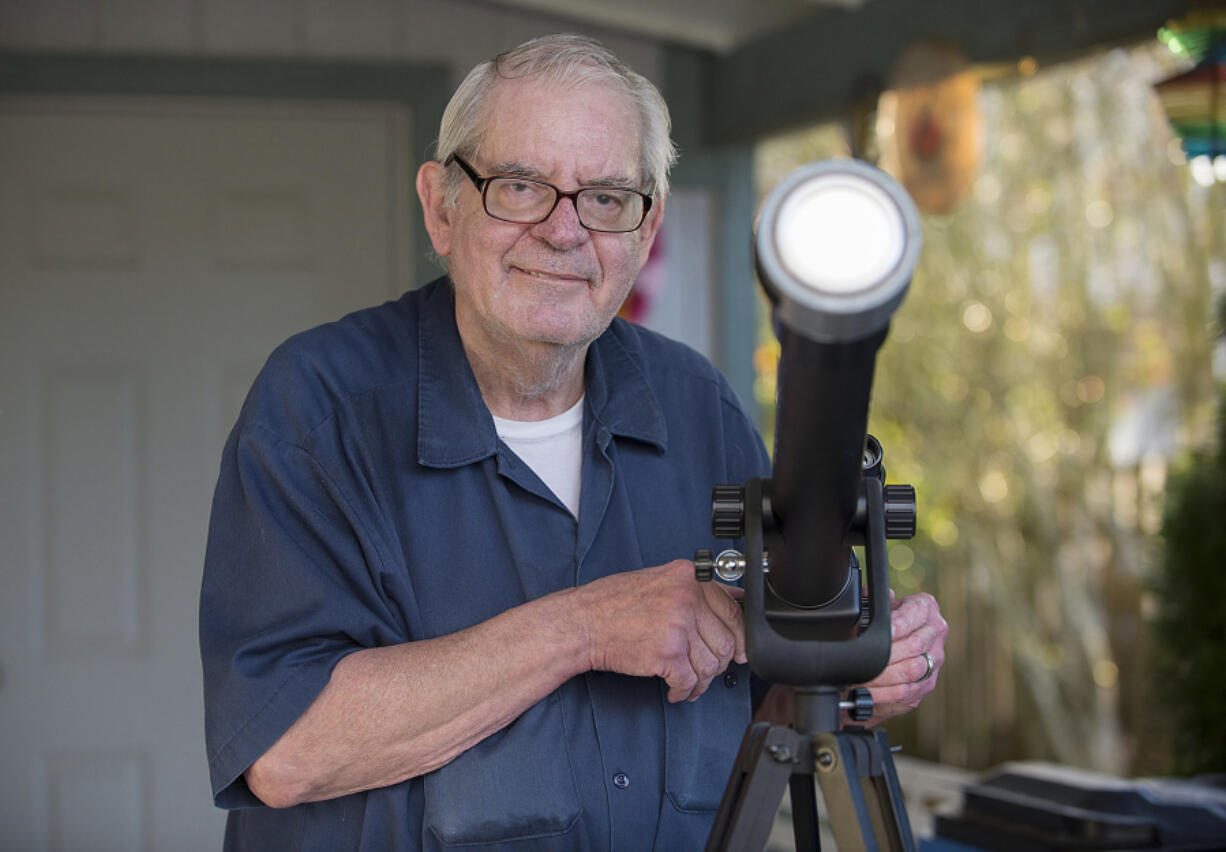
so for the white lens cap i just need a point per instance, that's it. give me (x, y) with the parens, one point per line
(839, 234)
(836, 245)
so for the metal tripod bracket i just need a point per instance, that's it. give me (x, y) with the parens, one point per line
(806, 660)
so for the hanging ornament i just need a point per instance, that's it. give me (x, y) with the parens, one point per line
(1195, 101)
(929, 125)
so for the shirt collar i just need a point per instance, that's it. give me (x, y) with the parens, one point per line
(454, 426)
(621, 398)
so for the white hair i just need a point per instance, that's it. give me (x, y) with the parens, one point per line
(565, 59)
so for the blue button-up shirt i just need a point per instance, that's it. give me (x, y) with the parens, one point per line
(366, 500)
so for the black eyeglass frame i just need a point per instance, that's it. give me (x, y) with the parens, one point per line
(482, 184)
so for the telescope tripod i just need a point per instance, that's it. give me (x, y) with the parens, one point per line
(853, 766)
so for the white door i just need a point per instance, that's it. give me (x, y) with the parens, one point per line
(152, 253)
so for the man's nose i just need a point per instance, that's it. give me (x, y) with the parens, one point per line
(562, 229)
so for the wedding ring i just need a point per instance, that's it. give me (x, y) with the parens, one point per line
(932, 665)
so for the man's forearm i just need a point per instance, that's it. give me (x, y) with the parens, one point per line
(389, 714)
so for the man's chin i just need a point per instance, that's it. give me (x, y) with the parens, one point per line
(564, 340)
(565, 332)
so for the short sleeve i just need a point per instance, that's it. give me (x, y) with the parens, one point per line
(290, 586)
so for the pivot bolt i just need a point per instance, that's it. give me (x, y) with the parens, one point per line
(781, 754)
(730, 566)
(826, 760)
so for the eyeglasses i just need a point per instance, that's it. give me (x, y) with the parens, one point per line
(527, 201)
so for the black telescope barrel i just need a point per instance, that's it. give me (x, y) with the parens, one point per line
(831, 315)
(820, 428)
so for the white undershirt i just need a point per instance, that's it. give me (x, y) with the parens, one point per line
(553, 448)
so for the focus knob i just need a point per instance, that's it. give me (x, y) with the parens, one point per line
(704, 565)
(899, 504)
(728, 511)
(861, 704)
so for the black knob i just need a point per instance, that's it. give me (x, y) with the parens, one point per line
(863, 701)
(704, 565)
(728, 511)
(899, 504)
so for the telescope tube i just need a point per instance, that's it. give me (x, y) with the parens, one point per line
(836, 245)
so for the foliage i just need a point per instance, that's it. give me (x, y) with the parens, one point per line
(1050, 358)
(1190, 628)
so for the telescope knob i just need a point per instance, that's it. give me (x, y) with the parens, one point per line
(859, 704)
(704, 565)
(899, 504)
(728, 511)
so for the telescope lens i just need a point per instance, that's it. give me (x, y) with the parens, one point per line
(839, 234)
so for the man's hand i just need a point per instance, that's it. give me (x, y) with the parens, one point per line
(916, 656)
(919, 636)
(662, 622)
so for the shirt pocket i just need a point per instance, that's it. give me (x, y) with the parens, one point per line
(703, 738)
(517, 784)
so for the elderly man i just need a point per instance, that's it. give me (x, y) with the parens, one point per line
(425, 619)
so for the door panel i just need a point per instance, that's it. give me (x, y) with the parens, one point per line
(151, 255)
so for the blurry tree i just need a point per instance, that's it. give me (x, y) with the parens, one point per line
(1051, 358)
(1190, 646)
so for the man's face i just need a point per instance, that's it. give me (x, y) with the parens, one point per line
(554, 282)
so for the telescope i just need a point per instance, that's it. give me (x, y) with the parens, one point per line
(836, 244)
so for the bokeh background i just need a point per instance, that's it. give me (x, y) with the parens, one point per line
(185, 183)
(1054, 365)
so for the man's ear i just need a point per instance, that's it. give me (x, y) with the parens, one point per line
(434, 208)
(649, 229)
